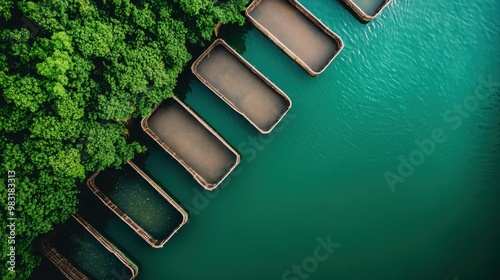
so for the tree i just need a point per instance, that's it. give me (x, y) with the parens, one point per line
(72, 75)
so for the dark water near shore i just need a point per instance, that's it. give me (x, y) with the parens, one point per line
(84, 251)
(140, 201)
(413, 97)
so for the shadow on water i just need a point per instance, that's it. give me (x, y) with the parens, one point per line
(98, 215)
(236, 35)
(184, 82)
(45, 271)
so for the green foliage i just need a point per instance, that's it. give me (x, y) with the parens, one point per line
(5, 7)
(205, 14)
(24, 92)
(72, 75)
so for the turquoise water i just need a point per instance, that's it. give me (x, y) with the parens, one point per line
(140, 201)
(400, 79)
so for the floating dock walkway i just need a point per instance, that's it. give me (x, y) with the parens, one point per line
(241, 86)
(69, 270)
(367, 10)
(128, 204)
(192, 142)
(297, 32)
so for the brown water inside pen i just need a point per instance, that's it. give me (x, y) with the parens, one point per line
(370, 7)
(296, 32)
(249, 93)
(191, 141)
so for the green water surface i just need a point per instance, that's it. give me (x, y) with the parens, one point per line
(417, 90)
(140, 201)
(85, 252)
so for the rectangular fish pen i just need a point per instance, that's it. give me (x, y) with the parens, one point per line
(80, 252)
(139, 202)
(367, 10)
(192, 142)
(297, 32)
(241, 86)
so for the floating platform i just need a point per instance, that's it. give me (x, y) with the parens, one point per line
(367, 10)
(80, 252)
(139, 202)
(297, 32)
(241, 86)
(192, 142)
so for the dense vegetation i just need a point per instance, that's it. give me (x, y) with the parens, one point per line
(72, 74)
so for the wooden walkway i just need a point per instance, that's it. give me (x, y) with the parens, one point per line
(241, 86)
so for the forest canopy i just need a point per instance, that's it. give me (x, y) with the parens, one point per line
(72, 75)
